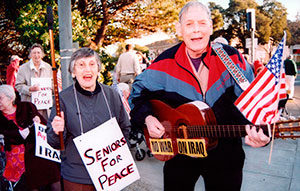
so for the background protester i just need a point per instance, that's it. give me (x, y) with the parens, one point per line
(23, 169)
(34, 68)
(143, 60)
(291, 74)
(128, 66)
(12, 69)
(85, 105)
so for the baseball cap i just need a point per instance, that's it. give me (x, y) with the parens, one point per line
(15, 57)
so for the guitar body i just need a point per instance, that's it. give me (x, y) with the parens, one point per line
(176, 120)
(191, 129)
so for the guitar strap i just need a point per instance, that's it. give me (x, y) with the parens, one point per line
(235, 72)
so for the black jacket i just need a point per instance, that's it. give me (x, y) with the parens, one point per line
(25, 112)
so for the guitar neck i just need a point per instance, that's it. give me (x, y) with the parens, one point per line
(220, 131)
(179, 122)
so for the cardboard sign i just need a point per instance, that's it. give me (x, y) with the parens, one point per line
(192, 147)
(161, 146)
(42, 148)
(42, 99)
(106, 156)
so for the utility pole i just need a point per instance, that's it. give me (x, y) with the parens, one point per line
(65, 40)
(251, 27)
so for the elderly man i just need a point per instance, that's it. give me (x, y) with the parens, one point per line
(187, 72)
(128, 66)
(291, 74)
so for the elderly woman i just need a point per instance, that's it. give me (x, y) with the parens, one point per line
(34, 68)
(16, 119)
(85, 105)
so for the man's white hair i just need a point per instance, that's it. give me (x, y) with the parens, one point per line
(193, 4)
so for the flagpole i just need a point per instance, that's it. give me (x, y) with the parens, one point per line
(276, 114)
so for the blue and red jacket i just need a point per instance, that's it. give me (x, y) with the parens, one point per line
(170, 78)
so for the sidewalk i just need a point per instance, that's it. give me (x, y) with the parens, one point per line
(282, 174)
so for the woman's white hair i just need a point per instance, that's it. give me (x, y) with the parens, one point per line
(8, 91)
(36, 45)
(83, 53)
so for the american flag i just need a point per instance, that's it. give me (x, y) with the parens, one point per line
(259, 102)
(59, 82)
(126, 105)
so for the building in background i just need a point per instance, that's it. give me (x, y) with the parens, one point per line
(295, 50)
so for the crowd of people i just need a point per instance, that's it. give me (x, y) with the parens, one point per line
(189, 71)
(22, 169)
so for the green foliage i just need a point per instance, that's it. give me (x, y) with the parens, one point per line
(162, 14)
(275, 10)
(108, 65)
(263, 27)
(217, 18)
(32, 26)
(83, 28)
(270, 21)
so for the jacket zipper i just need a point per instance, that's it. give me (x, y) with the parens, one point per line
(203, 95)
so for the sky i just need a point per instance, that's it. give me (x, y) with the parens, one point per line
(293, 6)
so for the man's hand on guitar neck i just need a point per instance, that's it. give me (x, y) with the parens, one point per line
(254, 138)
(155, 128)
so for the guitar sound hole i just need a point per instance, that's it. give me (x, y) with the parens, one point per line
(182, 131)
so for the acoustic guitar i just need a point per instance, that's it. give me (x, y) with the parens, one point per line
(191, 129)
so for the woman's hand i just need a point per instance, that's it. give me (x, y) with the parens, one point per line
(58, 123)
(34, 88)
(36, 119)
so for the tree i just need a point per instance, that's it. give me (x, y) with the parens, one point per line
(278, 15)
(270, 22)
(277, 12)
(32, 24)
(217, 17)
(118, 20)
(235, 19)
(294, 28)
(103, 12)
(8, 32)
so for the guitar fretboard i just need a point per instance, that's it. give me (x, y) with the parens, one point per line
(219, 131)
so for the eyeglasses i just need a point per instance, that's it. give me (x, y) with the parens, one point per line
(83, 65)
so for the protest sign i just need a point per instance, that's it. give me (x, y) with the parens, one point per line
(106, 156)
(43, 98)
(42, 148)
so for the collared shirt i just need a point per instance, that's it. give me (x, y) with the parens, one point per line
(37, 71)
(200, 70)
